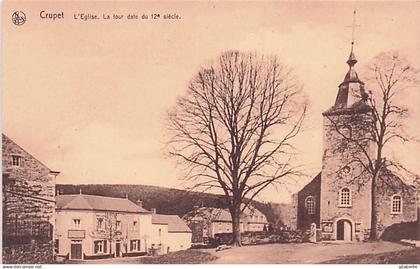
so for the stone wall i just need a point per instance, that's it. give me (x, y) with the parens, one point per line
(28, 203)
(35, 253)
(385, 193)
(341, 170)
(304, 220)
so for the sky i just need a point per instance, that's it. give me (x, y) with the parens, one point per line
(88, 98)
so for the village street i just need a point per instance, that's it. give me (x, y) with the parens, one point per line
(269, 254)
(301, 253)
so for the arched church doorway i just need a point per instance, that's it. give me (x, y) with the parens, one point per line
(344, 230)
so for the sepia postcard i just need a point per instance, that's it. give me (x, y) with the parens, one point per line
(210, 132)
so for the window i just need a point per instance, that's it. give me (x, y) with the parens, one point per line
(346, 169)
(99, 223)
(160, 232)
(56, 246)
(396, 206)
(345, 197)
(310, 205)
(76, 224)
(16, 160)
(118, 225)
(135, 225)
(99, 246)
(134, 245)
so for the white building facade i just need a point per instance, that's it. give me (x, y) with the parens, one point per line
(170, 233)
(93, 227)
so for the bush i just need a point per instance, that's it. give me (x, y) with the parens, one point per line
(398, 231)
(264, 237)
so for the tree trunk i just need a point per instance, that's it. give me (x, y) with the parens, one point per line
(373, 213)
(236, 229)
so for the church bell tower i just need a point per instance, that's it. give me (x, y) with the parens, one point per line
(345, 208)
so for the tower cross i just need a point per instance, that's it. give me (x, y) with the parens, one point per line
(353, 26)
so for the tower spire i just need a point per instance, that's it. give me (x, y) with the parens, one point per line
(351, 92)
(351, 74)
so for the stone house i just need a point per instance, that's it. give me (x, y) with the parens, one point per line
(28, 206)
(94, 227)
(207, 222)
(338, 199)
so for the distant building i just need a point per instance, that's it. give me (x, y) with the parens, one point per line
(93, 227)
(170, 233)
(28, 206)
(338, 199)
(207, 222)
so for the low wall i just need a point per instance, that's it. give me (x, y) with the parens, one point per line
(34, 253)
(255, 238)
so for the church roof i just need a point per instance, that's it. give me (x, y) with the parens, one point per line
(351, 75)
(351, 98)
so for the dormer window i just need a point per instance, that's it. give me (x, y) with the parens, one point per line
(345, 197)
(396, 204)
(16, 160)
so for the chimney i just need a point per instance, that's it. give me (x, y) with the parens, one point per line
(139, 203)
(153, 210)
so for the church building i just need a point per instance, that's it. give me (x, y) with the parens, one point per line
(338, 199)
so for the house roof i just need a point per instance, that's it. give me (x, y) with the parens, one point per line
(6, 138)
(94, 202)
(175, 223)
(223, 215)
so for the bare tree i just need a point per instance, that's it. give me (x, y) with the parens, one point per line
(233, 128)
(381, 124)
(108, 227)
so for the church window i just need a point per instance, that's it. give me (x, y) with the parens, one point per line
(345, 197)
(310, 205)
(396, 206)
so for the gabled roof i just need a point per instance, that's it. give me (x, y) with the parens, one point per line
(94, 202)
(223, 215)
(6, 138)
(175, 223)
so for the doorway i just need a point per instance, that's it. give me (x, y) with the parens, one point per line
(344, 230)
(118, 249)
(76, 251)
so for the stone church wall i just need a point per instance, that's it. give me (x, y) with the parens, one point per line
(28, 207)
(384, 203)
(341, 171)
(304, 220)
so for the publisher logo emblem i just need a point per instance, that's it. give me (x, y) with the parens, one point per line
(18, 18)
